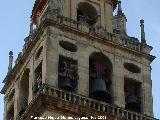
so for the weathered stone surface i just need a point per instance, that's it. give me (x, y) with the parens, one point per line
(117, 48)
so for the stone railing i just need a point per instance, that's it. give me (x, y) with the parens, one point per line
(95, 31)
(131, 44)
(92, 104)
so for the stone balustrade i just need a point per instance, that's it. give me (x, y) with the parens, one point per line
(92, 104)
(95, 31)
(131, 44)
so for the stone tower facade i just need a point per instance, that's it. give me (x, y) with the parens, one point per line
(78, 61)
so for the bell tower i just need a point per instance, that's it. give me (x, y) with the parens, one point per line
(79, 62)
(89, 12)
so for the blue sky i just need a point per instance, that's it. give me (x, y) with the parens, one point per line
(15, 19)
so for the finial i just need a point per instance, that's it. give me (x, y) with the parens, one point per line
(119, 8)
(18, 58)
(10, 61)
(11, 53)
(31, 28)
(142, 31)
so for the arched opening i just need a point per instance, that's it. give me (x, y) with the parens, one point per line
(24, 92)
(10, 113)
(39, 52)
(132, 95)
(68, 46)
(100, 77)
(67, 74)
(87, 13)
(10, 102)
(132, 68)
(37, 78)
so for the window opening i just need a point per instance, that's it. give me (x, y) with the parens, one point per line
(68, 74)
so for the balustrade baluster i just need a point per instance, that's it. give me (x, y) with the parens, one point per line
(74, 99)
(85, 102)
(143, 118)
(64, 20)
(69, 97)
(60, 94)
(122, 114)
(107, 37)
(113, 110)
(127, 116)
(118, 112)
(98, 105)
(103, 108)
(80, 100)
(110, 110)
(94, 106)
(89, 104)
(131, 45)
(132, 116)
(65, 96)
(127, 43)
(106, 109)
(49, 91)
(77, 100)
(44, 89)
(137, 117)
(124, 42)
(57, 94)
(53, 92)
(111, 38)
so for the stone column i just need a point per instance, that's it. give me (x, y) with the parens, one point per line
(74, 9)
(5, 108)
(102, 11)
(16, 101)
(44, 62)
(83, 71)
(67, 8)
(108, 17)
(31, 80)
(147, 100)
(118, 82)
(52, 57)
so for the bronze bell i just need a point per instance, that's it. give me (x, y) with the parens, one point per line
(100, 91)
(67, 85)
(132, 103)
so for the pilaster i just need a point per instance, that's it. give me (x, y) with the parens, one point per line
(118, 82)
(147, 98)
(83, 71)
(52, 57)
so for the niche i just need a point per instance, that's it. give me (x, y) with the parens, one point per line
(132, 95)
(87, 13)
(11, 95)
(100, 75)
(24, 91)
(68, 46)
(39, 52)
(10, 113)
(38, 78)
(68, 74)
(132, 67)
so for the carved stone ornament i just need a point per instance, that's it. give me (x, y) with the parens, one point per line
(56, 5)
